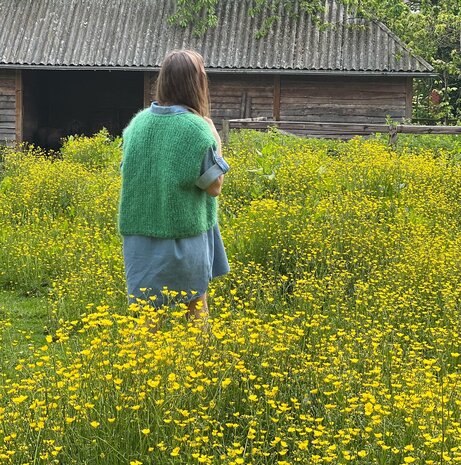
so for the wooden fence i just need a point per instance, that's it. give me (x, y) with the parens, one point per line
(334, 130)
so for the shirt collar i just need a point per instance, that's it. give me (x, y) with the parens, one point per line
(167, 110)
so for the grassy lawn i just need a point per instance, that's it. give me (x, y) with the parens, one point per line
(28, 317)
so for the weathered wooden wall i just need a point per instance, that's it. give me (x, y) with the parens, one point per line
(232, 96)
(237, 96)
(343, 99)
(8, 107)
(351, 99)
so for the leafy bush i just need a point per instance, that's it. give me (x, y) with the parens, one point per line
(95, 153)
(438, 145)
(55, 214)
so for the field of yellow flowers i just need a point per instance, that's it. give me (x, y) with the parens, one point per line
(335, 339)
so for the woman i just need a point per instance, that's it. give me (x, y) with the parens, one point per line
(172, 172)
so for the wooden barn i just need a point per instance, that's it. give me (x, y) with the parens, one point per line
(75, 66)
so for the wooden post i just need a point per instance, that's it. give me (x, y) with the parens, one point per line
(243, 105)
(392, 135)
(277, 94)
(409, 99)
(248, 107)
(19, 107)
(225, 131)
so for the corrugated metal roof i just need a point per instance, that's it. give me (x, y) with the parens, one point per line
(136, 33)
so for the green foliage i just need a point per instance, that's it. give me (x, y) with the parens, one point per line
(433, 31)
(200, 13)
(308, 178)
(95, 153)
(445, 146)
(57, 214)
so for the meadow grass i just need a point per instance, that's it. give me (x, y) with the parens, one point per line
(334, 339)
(27, 319)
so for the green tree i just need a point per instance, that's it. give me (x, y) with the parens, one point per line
(431, 28)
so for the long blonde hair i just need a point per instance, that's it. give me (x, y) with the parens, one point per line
(183, 81)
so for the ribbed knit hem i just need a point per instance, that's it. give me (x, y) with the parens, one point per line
(127, 231)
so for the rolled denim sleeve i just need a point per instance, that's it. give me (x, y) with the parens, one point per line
(213, 166)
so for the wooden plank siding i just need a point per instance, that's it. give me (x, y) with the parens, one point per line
(19, 107)
(240, 96)
(409, 99)
(337, 99)
(232, 96)
(7, 107)
(289, 98)
(310, 98)
(343, 99)
(277, 96)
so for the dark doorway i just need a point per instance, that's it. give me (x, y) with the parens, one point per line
(62, 103)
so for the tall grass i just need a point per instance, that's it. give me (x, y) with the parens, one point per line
(334, 339)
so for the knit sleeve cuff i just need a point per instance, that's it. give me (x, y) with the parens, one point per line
(209, 177)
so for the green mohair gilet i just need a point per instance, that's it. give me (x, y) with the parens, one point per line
(162, 159)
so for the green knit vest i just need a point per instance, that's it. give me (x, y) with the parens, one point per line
(162, 159)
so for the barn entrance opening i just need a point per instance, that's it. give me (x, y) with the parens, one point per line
(62, 103)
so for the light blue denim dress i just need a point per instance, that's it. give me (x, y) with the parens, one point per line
(186, 264)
